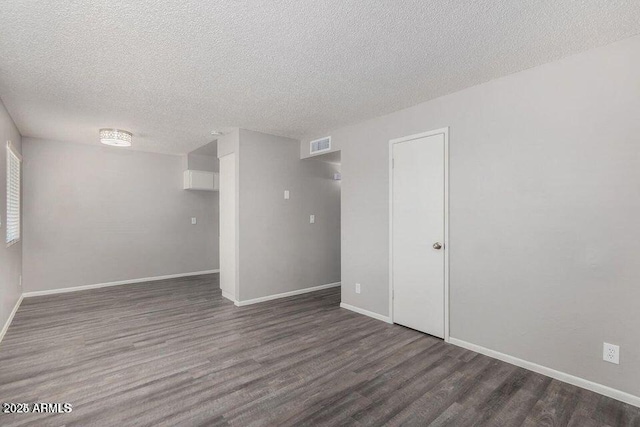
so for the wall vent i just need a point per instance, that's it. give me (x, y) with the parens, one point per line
(320, 145)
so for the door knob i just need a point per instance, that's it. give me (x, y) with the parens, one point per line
(437, 246)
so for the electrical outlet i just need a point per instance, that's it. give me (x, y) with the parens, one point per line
(20, 281)
(611, 353)
(357, 288)
(194, 220)
(312, 219)
(286, 194)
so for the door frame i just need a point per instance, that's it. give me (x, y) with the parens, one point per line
(445, 132)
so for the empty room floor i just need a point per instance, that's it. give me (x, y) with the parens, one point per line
(175, 352)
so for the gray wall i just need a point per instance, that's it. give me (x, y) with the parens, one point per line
(95, 214)
(202, 162)
(279, 250)
(208, 163)
(10, 257)
(544, 211)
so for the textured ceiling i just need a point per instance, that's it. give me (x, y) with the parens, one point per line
(172, 71)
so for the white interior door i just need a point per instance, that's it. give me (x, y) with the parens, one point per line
(228, 226)
(418, 233)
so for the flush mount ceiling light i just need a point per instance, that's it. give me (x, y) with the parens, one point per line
(115, 137)
(216, 133)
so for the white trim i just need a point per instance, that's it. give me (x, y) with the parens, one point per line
(558, 375)
(445, 132)
(229, 296)
(377, 316)
(286, 294)
(117, 283)
(13, 149)
(10, 319)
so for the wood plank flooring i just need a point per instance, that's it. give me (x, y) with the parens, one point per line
(175, 352)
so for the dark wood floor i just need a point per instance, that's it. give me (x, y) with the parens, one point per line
(175, 352)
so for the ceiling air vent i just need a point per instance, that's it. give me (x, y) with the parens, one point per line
(320, 145)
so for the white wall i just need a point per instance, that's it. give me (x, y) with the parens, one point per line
(229, 179)
(10, 257)
(545, 208)
(228, 227)
(96, 214)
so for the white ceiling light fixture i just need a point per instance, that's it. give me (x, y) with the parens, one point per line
(115, 137)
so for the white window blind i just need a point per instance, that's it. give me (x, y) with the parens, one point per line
(13, 194)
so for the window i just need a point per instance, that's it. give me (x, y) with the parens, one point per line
(14, 161)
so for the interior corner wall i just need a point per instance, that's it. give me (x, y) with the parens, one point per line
(202, 162)
(95, 214)
(209, 163)
(10, 257)
(544, 209)
(229, 221)
(279, 250)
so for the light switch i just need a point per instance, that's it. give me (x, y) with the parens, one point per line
(286, 194)
(312, 219)
(194, 221)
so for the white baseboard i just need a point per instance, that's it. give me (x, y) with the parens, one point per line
(286, 294)
(10, 319)
(386, 319)
(558, 375)
(229, 296)
(118, 283)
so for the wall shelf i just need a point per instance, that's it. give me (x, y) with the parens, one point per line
(201, 180)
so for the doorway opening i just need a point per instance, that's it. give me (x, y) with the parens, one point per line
(329, 168)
